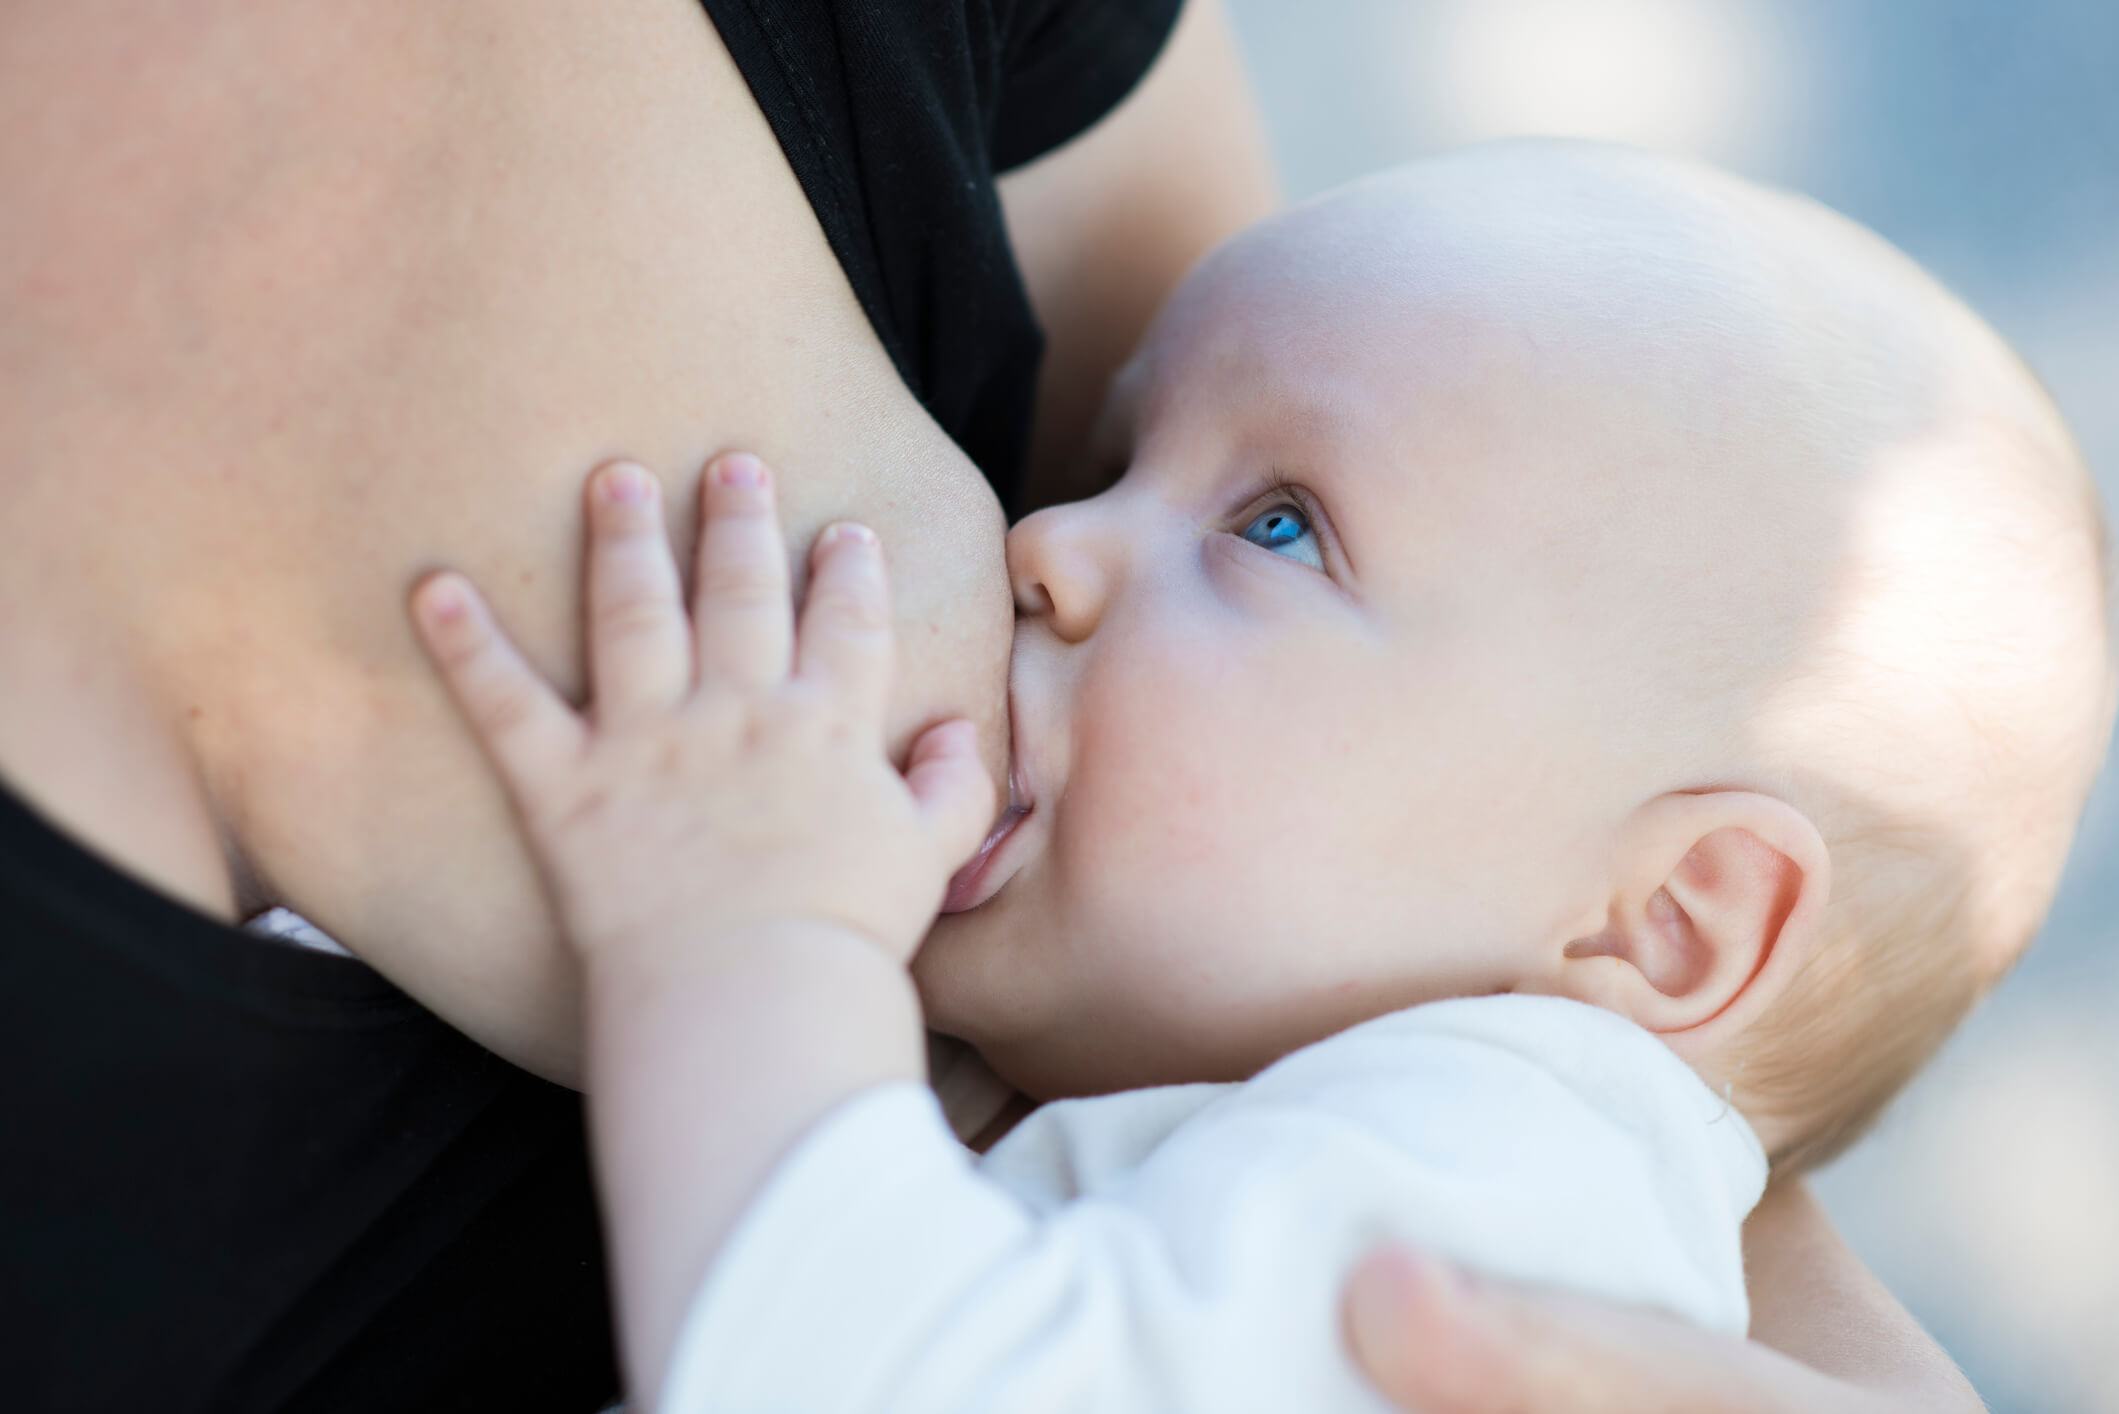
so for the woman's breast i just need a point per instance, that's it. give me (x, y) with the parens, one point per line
(391, 281)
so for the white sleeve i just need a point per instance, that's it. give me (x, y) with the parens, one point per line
(881, 1271)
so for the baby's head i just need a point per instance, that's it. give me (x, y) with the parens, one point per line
(1548, 569)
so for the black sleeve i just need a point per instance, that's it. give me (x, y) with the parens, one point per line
(896, 116)
(1073, 61)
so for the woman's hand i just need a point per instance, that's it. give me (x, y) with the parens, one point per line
(1439, 1341)
(730, 772)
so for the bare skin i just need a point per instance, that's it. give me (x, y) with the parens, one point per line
(301, 354)
(308, 303)
(317, 300)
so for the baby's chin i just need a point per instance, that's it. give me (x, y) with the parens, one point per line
(972, 990)
(960, 982)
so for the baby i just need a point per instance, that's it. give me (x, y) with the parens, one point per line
(1588, 672)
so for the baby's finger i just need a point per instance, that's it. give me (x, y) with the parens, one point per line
(640, 652)
(743, 613)
(955, 794)
(846, 640)
(523, 725)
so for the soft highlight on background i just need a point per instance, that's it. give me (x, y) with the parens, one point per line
(1983, 138)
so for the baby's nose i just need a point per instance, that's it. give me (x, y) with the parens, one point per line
(1061, 568)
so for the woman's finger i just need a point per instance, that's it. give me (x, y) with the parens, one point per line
(1438, 1341)
(955, 795)
(846, 640)
(522, 724)
(741, 610)
(640, 652)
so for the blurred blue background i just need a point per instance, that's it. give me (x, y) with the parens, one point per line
(1982, 136)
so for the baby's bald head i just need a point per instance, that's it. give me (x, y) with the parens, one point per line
(1548, 568)
(1823, 533)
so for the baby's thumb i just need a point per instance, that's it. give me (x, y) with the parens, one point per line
(954, 792)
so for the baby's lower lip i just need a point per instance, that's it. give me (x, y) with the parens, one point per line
(968, 889)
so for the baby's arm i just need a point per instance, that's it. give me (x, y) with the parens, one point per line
(739, 869)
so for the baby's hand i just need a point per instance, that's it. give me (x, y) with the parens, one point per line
(729, 774)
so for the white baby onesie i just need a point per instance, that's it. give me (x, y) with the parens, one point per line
(1184, 1248)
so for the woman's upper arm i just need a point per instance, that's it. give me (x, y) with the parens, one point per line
(1106, 225)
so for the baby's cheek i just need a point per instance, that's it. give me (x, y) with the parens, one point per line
(1143, 802)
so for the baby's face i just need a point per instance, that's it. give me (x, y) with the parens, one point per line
(1330, 704)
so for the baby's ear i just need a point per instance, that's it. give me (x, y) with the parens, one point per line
(1717, 902)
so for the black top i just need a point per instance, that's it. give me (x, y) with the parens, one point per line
(243, 1175)
(237, 1175)
(896, 117)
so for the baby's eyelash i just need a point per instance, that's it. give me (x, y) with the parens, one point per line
(1276, 482)
(1274, 486)
(1277, 486)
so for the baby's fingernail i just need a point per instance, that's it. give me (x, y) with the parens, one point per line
(627, 483)
(442, 601)
(848, 531)
(742, 469)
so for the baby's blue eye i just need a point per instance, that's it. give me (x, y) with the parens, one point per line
(1285, 530)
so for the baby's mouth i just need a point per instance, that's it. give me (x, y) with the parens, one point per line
(971, 886)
